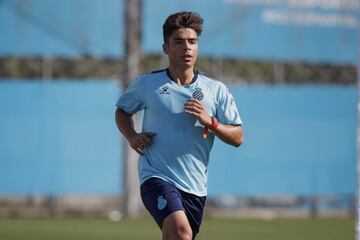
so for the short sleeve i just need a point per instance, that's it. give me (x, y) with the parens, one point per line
(132, 99)
(226, 110)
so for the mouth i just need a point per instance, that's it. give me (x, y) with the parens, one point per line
(187, 57)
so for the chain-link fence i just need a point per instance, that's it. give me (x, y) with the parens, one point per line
(228, 70)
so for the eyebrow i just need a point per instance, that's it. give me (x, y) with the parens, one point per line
(182, 39)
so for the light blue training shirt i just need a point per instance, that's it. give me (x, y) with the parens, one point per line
(178, 153)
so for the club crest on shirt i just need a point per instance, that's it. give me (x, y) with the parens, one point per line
(164, 90)
(198, 94)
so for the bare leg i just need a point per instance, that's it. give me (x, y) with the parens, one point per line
(176, 227)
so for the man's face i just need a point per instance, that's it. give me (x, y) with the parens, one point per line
(182, 48)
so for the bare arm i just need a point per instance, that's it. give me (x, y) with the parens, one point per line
(138, 141)
(229, 134)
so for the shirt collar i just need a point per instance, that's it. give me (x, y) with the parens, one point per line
(196, 73)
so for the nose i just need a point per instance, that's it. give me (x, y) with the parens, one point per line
(187, 45)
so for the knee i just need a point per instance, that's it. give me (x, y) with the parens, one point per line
(178, 233)
(184, 233)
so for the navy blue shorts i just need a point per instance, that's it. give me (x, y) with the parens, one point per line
(162, 199)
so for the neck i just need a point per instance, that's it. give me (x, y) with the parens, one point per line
(182, 77)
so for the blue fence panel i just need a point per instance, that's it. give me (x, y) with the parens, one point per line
(316, 31)
(298, 140)
(61, 28)
(60, 138)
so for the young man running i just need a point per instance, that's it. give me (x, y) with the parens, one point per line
(183, 111)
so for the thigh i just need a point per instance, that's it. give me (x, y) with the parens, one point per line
(176, 226)
(161, 199)
(194, 209)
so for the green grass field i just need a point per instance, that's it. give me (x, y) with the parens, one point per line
(212, 229)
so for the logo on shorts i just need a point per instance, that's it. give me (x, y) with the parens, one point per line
(161, 202)
(198, 94)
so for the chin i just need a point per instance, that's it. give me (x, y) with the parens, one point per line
(185, 65)
(189, 64)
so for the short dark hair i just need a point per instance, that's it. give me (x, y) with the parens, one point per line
(182, 20)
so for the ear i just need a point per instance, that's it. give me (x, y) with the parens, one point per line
(165, 47)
